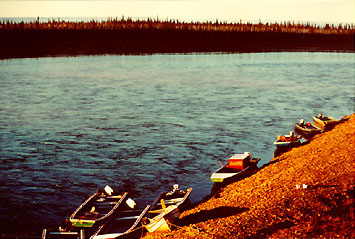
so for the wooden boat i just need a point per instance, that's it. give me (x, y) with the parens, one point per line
(238, 166)
(325, 121)
(123, 225)
(166, 209)
(307, 130)
(95, 210)
(287, 141)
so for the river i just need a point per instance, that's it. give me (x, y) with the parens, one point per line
(70, 125)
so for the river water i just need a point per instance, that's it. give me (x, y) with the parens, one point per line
(70, 125)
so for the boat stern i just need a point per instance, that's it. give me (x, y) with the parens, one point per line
(82, 222)
(217, 180)
(220, 177)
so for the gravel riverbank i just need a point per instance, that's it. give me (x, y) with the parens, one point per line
(269, 204)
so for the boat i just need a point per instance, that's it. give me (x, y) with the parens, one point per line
(95, 210)
(287, 141)
(124, 225)
(307, 130)
(239, 165)
(166, 210)
(325, 121)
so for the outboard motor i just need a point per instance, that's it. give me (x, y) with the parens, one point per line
(108, 190)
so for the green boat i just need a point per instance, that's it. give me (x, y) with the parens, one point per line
(95, 210)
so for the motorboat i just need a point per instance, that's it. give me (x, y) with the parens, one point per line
(307, 130)
(239, 165)
(287, 141)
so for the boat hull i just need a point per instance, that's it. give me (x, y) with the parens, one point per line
(307, 132)
(123, 225)
(167, 216)
(80, 218)
(325, 123)
(49, 234)
(279, 144)
(225, 173)
(82, 222)
(220, 176)
(163, 223)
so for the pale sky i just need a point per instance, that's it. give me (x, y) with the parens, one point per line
(315, 11)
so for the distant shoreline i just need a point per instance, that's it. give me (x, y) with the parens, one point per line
(41, 39)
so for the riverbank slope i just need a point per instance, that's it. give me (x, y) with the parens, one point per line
(269, 204)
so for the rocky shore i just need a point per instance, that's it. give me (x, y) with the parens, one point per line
(307, 192)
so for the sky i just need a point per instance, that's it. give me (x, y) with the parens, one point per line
(315, 11)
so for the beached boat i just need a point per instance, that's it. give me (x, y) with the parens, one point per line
(287, 141)
(166, 209)
(124, 225)
(238, 166)
(95, 210)
(307, 130)
(325, 121)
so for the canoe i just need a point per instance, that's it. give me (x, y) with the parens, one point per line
(287, 141)
(307, 130)
(95, 210)
(239, 165)
(166, 210)
(125, 224)
(325, 121)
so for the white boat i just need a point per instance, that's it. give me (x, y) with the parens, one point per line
(238, 165)
(166, 209)
(125, 224)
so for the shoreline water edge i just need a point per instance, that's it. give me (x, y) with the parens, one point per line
(307, 192)
(125, 36)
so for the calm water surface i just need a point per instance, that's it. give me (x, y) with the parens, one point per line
(142, 123)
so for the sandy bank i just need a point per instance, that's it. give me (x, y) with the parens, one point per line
(268, 204)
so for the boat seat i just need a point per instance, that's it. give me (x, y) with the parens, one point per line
(114, 196)
(104, 203)
(126, 218)
(88, 216)
(130, 211)
(46, 234)
(172, 201)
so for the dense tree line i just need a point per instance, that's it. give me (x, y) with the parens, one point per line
(150, 24)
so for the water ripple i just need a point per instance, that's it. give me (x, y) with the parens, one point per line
(143, 123)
